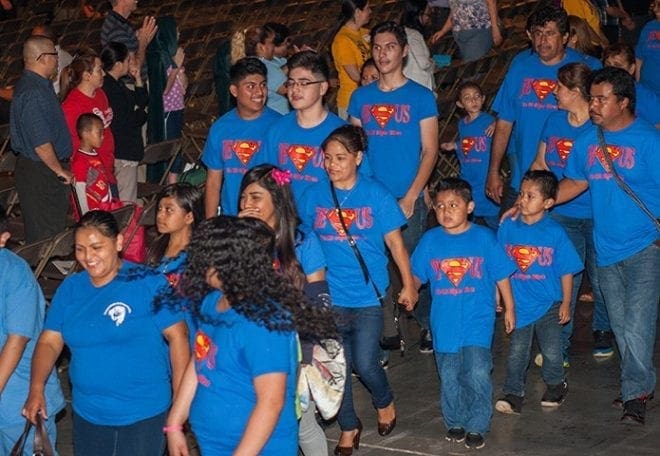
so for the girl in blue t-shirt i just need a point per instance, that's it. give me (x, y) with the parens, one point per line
(126, 358)
(373, 218)
(246, 352)
(266, 195)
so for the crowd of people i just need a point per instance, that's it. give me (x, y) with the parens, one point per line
(313, 226)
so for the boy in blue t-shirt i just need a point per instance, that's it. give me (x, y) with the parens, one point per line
(475, 132)
(463, 263)
(542, 283)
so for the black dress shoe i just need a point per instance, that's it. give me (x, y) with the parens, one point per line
(634, 411)
(348, 451)
(386, 428)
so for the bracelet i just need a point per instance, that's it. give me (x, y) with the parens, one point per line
(172, 428)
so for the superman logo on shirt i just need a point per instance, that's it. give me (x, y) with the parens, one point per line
(543, 87)
(564, 147)
(382, 114)
(524, 256)
(613, 151)
(467, 144)
(349, 216)
(245, 149)
(300, 155)
(455, 269)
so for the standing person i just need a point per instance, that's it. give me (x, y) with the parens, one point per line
(266, 195)
(22, 311)
(557, 139)
(129, 115)
(40, 137)
(248, 319)
(63, 57)
(525, 100)
(625, 237)
(126, 358)
(587, 10)
(81, 89)
(648, 52)
(236, 140)
(638, 11)
(465, 265)
(400, 117)
(418, 66)
(355, 203)
(293, 142)
(474, 26)
(350, 49)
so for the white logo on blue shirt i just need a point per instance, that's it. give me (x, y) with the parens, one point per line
(117, 311)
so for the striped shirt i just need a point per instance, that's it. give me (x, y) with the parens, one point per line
(117, 28)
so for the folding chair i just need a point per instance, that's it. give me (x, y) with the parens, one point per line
(60, 263)
(4, 138)
(123, 215)
(35, 254)
(165, 151)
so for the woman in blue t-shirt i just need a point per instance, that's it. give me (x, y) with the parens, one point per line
(126, 358)
(372, 217)
(246, 352)
(266, 195)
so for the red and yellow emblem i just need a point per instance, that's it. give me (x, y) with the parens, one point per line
(300, 155)
(244, 150)
(455, 269)
(524, 256)
(382, 114)
(467, 144)
(564, 147)
(349, 215)
(543, 88)
(613, 151)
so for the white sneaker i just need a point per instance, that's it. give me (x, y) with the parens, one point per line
(538, 359)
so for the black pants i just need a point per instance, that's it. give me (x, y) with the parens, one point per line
(43, 198)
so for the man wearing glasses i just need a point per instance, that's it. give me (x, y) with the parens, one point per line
(40, 137)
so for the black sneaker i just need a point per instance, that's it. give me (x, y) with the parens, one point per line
(618, 402)
(455, 435)
(603, 344)
(474, 441)
(554, 395)
(634, 411)
(509, 404)
(425, 342)
(390, 343)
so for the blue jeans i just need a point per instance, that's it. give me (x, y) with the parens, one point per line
(144, 438)
(631, 289)
(360, 329)
(173, 130)
(466, 392)
(580, 232)
(548, 334)
(474, 43)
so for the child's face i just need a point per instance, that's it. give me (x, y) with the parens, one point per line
(452, 211)
(471, 100)
(369, 74)
(532, 202)
(93, 136)
(619, 61)
(171, 217)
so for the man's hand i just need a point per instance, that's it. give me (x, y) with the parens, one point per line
(147, 32)
(495, 187)
(66, 177)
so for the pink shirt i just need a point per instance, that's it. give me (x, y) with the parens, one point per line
(173, 100)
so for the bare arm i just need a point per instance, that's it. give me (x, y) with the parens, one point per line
(270, 390)
(429, 133)
(353, 72)
(494, 183)
(408, 296)
(539, 162)
(569, 189)
(177, 338)
(212, 192)
(176, 440)
(638, 68)
(144, 37)
(11, 354)
(437, 36)
(495, 27)
(316, 276)
(47, 155)
(566, 291)
(49, 346)
(504, 286)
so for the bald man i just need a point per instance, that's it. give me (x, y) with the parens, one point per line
(64, 58)
(40, 137)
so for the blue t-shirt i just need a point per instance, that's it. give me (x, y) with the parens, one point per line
(473, 152)
(233, 146)
(646, 104)
(463, 271)
(298, 149)
(525, 98)
(648, 51)
(370, 212)
(120, 364)
(621, 229)
(559, 136)
(275, 78)
(173, 268)
(228, 356)
(22, 309)
(543, 253)
(391, 121)
(310, 253)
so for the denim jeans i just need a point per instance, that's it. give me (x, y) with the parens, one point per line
(412, 232)
(631, 289)
(360, 328)
(144, 438)
(173, 130)
(474, 43)
(466, 391)
(548, 334)
(580, 232)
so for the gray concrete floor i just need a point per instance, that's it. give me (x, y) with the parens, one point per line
(586, 424)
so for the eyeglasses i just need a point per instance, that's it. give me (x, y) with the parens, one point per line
(54, 54)
(290, 84)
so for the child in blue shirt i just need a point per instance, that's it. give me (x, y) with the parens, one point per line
(475, 132)
(463, 263)
(547, 261)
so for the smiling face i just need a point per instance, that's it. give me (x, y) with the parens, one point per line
(98, 254)
(251, 94)
(452, 211)
(548, 42)
(341, 165)
(388, 53)
(257, 202)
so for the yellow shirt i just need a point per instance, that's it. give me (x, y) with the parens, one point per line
(585, 10)
(349, 47)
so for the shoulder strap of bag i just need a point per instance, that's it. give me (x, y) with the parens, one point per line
(625, 187)
(17, 450)
(354, 247)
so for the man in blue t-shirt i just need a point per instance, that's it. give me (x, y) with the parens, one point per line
(625, 237)
(525, 99)
(400, 118)
(236, 140)
(648, 52)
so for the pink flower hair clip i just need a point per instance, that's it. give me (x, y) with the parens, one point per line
(281, 177)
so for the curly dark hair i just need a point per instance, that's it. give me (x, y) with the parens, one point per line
(238, 250)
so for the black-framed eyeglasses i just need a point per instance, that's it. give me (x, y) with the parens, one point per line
(290, 83)
(54, 54)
